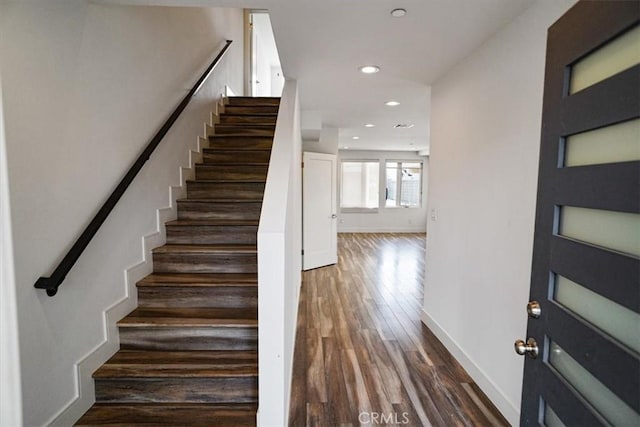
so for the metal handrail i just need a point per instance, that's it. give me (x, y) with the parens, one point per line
(52, 283)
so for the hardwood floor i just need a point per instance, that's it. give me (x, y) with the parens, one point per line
(362, 355)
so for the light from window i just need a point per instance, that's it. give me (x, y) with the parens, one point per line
(360, 184)
(404, 184)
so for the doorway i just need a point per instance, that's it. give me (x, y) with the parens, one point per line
(264, 75)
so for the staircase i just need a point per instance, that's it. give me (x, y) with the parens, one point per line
(188, 353)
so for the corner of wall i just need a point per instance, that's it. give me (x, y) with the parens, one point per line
(10, 387)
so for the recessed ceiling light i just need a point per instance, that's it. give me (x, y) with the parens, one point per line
(398, 13)
(369, 125)
(392, 103)
(355, 137)
(369, 69)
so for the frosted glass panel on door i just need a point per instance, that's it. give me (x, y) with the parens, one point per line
(551, 419)
(612, 318)
(610, 144)
(610, 406)
(612, 58)
(619, 231)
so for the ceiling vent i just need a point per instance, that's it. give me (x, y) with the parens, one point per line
(403, 126)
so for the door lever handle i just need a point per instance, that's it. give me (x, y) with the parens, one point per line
(533, 309)
(334, 216)
(530, 348)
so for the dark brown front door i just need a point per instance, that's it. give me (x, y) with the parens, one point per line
(585, 270)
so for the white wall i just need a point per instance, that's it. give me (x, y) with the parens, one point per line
(10, 395)
(277, 80)
(85, 88)
(280, 264)
(327, 143)
(405, 220)
(485, 136)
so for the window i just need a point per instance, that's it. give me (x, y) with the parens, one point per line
(360, 182)
(403, 184)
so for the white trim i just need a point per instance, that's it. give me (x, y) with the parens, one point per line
(508, 410)
(393, 229)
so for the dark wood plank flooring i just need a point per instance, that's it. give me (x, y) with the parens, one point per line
(362, 355)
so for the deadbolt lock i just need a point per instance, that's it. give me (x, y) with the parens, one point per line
(533, 309)
(530, 348)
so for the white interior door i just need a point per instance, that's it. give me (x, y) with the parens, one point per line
(319, 216)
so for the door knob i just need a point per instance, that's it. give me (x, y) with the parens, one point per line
(529, 348)
(533, 309)
(334, 216)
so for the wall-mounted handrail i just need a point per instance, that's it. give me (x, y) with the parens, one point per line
(52, 283)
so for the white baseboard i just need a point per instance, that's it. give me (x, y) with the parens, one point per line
(381, 229)
(506, 408)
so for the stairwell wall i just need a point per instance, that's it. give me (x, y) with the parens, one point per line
(280, 264)
(85, 86)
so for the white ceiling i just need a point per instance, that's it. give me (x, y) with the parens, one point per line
(323, 42)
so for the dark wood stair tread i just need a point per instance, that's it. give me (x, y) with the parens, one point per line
(247, 125)
(229, 164)
(183, 370)
(206, 249)
(218, 200)
(217, 356)
(180, 364)
(240, 135)
(252, 101)
(226, 181)
(253, 98)
(237, 164)
(214, 222)
(200, 280)
(230, 149)
(256, 114)
(196, 317)
(234, 150)
(162, 414)
(195, 312)
(256, 124)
